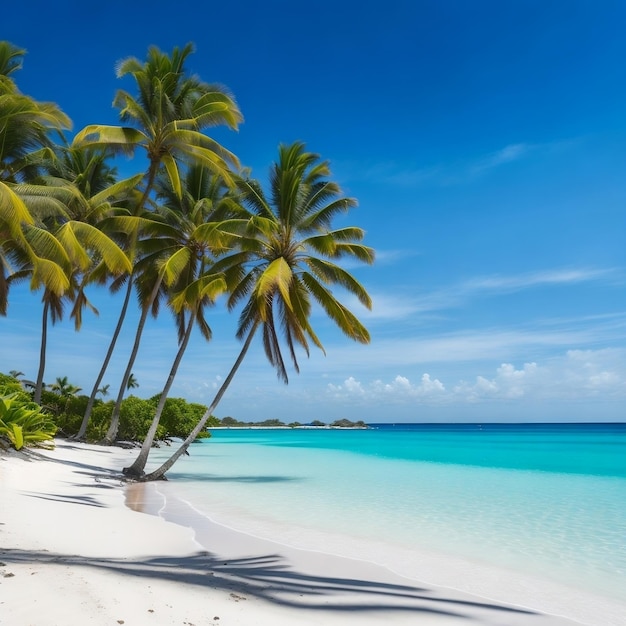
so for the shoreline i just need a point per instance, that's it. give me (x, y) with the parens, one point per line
(74, 550)
(479, 579)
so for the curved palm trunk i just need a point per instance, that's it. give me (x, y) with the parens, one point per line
(42, 353)
(92, 398)
(160, 472)
(136, 469)
(109, 438)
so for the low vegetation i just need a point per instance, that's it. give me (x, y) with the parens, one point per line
(61, 413)
(23, 422)
(231, 422)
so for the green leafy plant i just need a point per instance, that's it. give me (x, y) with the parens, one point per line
(24, 423)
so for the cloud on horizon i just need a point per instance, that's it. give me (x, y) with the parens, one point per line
(574, 375)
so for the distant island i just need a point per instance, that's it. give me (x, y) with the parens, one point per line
(231, 422)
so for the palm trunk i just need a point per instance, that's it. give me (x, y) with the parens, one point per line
(109, 438)
(42, 353)
(136, 470)
(107, 358)
(159, 473)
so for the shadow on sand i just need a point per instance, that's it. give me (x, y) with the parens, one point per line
(269, 578)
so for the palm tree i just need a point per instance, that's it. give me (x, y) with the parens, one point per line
(132, 382)
(104, 390)
(10, 58)
(64, 388)
(167, 119)
(73, 258)
(205, 199)
(51, 250)
(53, 309)
(116, 284)
(69, 200)
(286, 259)
(25, 125)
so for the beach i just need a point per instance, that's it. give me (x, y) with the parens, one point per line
(79, 546)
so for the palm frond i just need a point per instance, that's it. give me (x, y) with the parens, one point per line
(276, 277)
(175, 264)
(346, 321)
(13, 210)
(120, 189)
(50, 275)
(120, 138)
(331, 273)
(93, 238)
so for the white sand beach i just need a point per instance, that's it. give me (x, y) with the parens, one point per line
(73, 552)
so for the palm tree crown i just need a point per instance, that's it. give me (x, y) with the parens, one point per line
(285, 258)
(289, 253)
(167, 117)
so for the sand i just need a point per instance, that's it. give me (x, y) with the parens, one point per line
(74, 552)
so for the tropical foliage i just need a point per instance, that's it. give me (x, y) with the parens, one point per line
(285, 258)
(191, 227)
(64, 407)
(23, 423)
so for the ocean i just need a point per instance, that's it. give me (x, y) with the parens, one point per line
(546, 501)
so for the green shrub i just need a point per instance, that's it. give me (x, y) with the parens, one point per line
(99, 421)
(135, 418)
(70, 413)
(23, 423)
(213, 421)
(180, 417)
(52, 402)
(8, 385)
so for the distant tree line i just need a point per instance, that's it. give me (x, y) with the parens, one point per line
(231, 422)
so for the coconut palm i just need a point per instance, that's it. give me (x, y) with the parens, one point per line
(286, 260)
(116, 284)
(166, 119)
(50, 248)
(64, 388)
(10, 58)
(206, 200)
(74, 258)
(25, 126)
(69, 201)
(25, 123)
(132, 382)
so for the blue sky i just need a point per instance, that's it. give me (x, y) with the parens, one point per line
(486, 145)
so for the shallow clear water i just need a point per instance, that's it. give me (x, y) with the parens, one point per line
(544, 500)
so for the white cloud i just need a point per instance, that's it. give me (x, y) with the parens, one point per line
(508, 154)
(577, 374)
(508, 383)
(534, 279)
(444, 174)
(399, 306)
(388, 307)
(399, 388)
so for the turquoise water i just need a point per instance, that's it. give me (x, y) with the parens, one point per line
(543, 500)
